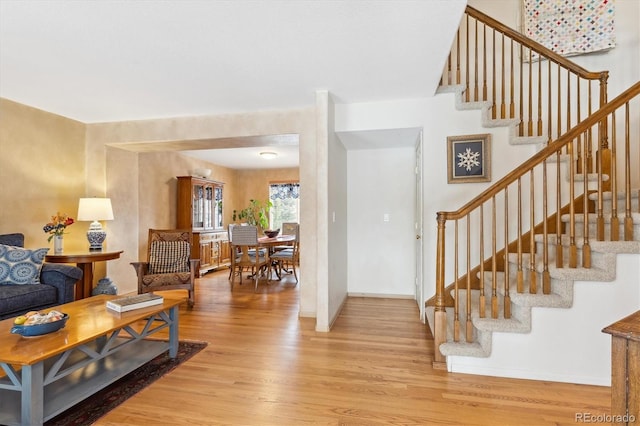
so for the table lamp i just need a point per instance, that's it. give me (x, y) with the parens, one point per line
(95, 209)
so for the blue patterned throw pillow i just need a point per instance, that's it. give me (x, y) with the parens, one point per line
(20, 266)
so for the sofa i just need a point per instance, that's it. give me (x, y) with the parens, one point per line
(54, 285)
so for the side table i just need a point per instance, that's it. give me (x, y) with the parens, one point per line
(85, 261)
(625, 369)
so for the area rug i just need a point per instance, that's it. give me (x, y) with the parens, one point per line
(96, 406)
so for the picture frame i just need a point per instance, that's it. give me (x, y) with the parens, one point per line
(469, 158)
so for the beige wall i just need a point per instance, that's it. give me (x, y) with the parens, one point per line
(158, 188)
(134, 165)
(254, 184)
(48, 162)
(42, 168)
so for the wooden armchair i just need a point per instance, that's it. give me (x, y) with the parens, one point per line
(168, 265)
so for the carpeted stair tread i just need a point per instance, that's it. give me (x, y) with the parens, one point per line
(599, 246)
(508, 325)
(595, 273)
(561, 295)
(607, 197)
(486, 116)
(473, 349)
(462, 348)
(593, 217)
(591, 177)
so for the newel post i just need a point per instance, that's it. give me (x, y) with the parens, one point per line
(440, 317)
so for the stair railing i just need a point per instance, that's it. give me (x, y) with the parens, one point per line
(533, 214)
(524, 81)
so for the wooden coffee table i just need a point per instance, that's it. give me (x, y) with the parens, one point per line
(42, 376)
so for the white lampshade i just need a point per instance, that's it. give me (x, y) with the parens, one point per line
(90, 209)
(95, 209)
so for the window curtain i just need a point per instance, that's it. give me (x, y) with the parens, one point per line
(284, 191)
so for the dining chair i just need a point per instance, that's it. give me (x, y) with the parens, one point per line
(288, 228)
(234, 252)
(289, 256)
(169, 265)
(247, 255)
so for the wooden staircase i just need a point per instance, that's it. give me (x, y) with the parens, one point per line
(526, 241)
(561, 295)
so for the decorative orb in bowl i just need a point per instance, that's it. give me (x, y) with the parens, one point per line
(272, 233)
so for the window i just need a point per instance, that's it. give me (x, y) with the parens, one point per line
(285, 198)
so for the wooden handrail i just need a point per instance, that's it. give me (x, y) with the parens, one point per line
(534, 45)
(518, 91)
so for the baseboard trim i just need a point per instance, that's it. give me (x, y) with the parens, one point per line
(382, 296)
(457, 365)
(335, 317)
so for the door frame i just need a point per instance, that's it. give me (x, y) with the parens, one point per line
(419, 228)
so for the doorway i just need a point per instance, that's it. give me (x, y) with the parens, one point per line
(381, 197)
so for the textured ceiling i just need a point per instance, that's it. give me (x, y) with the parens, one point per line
(100, 61)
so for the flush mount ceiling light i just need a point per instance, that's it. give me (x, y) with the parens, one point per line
(268, 155)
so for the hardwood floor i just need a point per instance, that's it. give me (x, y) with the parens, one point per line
(266, 366)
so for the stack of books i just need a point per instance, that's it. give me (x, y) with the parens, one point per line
(129, 303)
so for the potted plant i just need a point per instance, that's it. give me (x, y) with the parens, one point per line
(257, 213)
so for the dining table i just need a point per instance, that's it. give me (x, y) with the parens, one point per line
(279, 240)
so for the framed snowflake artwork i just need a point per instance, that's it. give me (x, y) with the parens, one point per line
(469, 158)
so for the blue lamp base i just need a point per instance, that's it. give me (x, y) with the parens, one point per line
(96, 238)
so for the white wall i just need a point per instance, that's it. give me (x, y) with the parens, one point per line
(337, 220)
(381, 260)
(439, 119)
(322, 202)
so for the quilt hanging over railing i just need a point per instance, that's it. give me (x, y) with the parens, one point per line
(570, 27)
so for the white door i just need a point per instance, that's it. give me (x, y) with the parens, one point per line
(418, 230)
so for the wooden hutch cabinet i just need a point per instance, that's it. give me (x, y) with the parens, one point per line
(200, 209)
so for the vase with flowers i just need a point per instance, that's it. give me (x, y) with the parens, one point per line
(56, 228)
